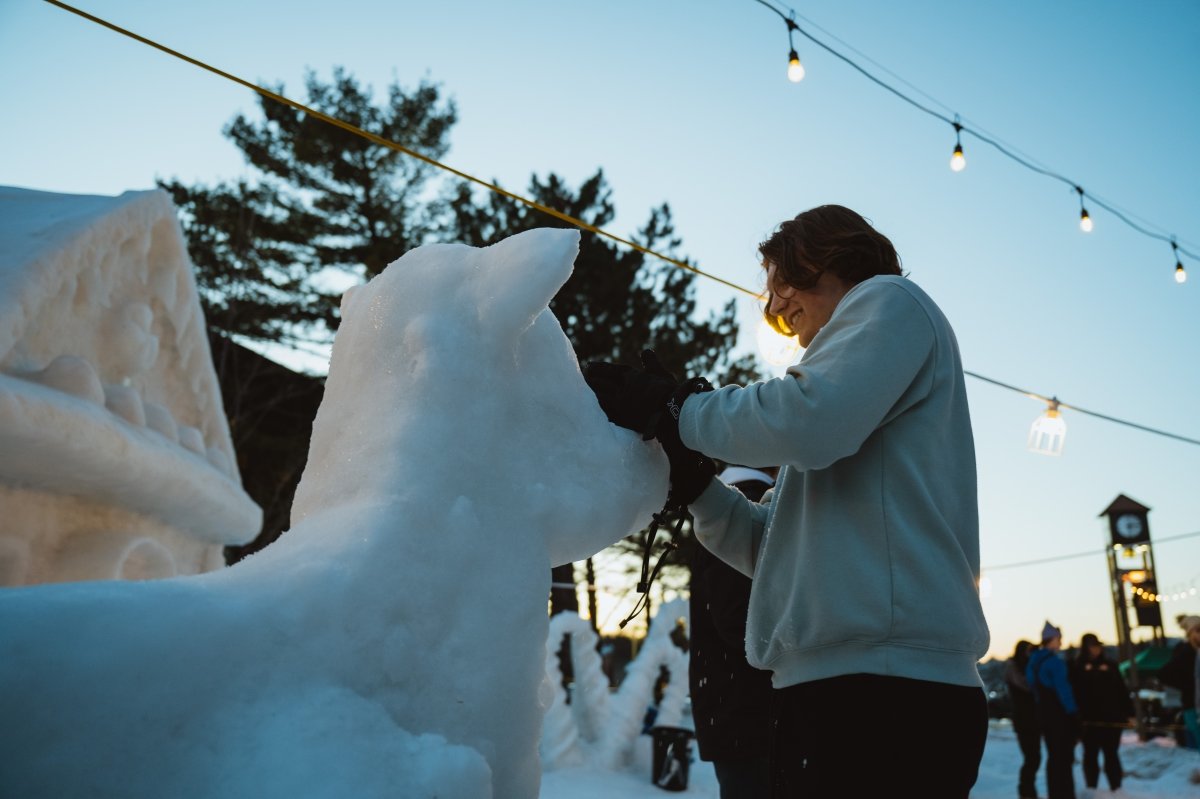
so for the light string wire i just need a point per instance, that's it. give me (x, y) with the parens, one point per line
(391, 145)
(1087, 554)
(977, 132)
(379, 140)
(1057, 402)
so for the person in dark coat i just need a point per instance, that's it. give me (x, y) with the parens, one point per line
(1104, 710)
(1180, 673)
(731, 701)
(1056, 711)
(1024, 719)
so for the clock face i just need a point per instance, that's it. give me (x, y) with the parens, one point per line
(1129, 526)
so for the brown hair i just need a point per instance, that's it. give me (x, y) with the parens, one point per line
(828, 238)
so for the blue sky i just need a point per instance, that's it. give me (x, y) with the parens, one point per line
(687, 103)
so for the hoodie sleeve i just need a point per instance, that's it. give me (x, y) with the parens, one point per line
(862, 369)
(729, 525)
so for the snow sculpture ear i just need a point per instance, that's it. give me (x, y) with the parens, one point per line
(523, 274)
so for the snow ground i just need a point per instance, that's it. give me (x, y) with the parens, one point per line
(1154, 770)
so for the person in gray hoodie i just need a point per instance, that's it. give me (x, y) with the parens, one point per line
(864, 604)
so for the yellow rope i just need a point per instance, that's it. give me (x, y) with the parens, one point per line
(402, 149)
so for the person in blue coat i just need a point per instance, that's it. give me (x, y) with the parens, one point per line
(1057, 711)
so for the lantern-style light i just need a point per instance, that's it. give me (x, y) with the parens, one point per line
(1048, 431)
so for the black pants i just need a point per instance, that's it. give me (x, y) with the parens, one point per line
(1060, 752)
(1106, 740)
(1029, 737)
(744, 779)
(921, 738)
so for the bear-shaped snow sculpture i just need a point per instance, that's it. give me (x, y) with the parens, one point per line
(392, 642)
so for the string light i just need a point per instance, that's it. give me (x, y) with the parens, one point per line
(1048, 432)
(1053, 401)
(795, 70)
(1085, 221)
(633, 245)
(1180, 275)
(957, 161)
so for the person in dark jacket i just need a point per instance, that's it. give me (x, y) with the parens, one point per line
(1104, 710)
(1180, 673)
(731, 700)
(1024, 719)
(1056, 711)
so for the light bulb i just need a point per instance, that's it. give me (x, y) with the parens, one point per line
(957, 161)
(795, 70)
(777, 350)
(1048, 432)
(1085, 221)
(1180, 275)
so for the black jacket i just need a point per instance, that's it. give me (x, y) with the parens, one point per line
(1024, 706)
(1180, 672)
(731, 701)
(1100, 690)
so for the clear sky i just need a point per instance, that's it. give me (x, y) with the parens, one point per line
(688, 103)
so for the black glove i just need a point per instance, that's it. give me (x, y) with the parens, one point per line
(629, 397)
(691, 471)
(648, 402)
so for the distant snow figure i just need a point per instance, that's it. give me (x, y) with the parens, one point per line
(393, 642)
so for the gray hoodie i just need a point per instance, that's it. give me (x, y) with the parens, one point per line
(865, 556)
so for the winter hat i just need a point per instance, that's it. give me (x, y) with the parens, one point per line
(1187, 622)
(1050, 632)
(1088, 640)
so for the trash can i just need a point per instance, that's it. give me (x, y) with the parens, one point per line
(672, 757)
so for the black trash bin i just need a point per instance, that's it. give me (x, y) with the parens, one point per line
(672, 756)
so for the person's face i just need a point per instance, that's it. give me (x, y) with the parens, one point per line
(805, 311)
(1054, 644)
(1193, 637)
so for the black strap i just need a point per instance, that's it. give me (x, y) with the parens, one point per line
(648, 576)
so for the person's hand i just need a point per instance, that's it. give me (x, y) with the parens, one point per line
(629, 397)
(691, 471)
(649, 401)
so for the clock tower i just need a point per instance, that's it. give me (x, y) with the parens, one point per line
(1131, 565)
(1132, 580)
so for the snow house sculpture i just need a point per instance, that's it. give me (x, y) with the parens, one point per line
(115, 454)
(393, 641)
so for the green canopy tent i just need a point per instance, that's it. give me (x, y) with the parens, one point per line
(1149, 661)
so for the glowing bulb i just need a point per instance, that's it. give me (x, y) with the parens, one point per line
(1180, 275)
(1085, 221)
(957, 161)
(795, 70)
(1048, 432)
(775, 349)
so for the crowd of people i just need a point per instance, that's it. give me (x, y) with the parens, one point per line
(1085, 701)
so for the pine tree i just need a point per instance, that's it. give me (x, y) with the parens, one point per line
(323, 201)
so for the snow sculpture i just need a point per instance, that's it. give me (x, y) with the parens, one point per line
(115, 455)
(603, 728)
(392, 643)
